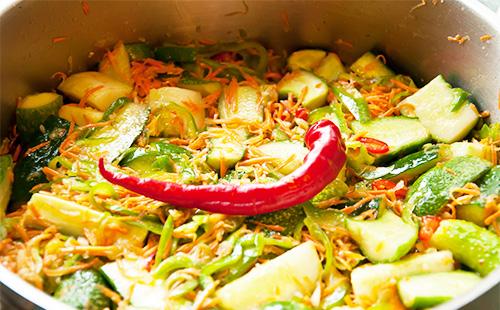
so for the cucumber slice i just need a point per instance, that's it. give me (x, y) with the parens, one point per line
(111, 141)
(305, 59)
(176, 53)
(436, 106)
(73, 219)
(189, 100)
(465, 148)
(288, 155)
(205, 88)
(293, 273)
(472, 245)
(428, 290)
(139, 51)
(301, 81)
(385, 239)
(402, 134)
(6, 178)
(330, 68)
(33, 110)
(78, 85)
(352, 99)
(369, 66)
(225, 151)
(248, 105)
(431, 191)
(473, 212)
(116, 64)
(334, 113)
(408, 167)
(80, 116)
(123, 274)
(367, 280)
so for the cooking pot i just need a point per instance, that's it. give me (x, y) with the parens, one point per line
(39, 38)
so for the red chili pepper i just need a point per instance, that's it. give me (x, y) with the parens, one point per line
(321, 165)
(302, 113)
(374, 146)
(429, 225)
(386, 184)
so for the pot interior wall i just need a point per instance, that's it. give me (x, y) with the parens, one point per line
(413, 38)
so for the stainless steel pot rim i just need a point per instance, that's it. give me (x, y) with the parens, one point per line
(43, 300)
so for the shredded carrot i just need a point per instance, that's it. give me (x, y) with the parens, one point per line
(343, 42)
(59, 75)
(59, 39)
(50, 172)
(485, 38)
(285, 21)
(403, 86)
(269, 75)
(145, 74)
(87, 95)
(458, 39)
(231, 94)
(85, 7)
(207, 42)
(17, 152)
(36, 148)
(244, 12)
(277, 228)
(63, 270)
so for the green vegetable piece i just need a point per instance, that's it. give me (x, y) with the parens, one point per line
(303, 83)
(465, 148)
(403, 135)
(369, 66)
(352, 99)
(428, 290)
(358, 157)
(431, 191)
(472, 245)
(286, 218)
(139, 51)
(6, 176)
(367, 280)
(330, 68)
(407, 167)
(386, 239)
(226, 151)
(307, 59)
(81, 290)
(247, 104)
(176, 53)
(436, 105)
(122, 275)
(111, 141)
(461, 97)
(491, 131)
(205, 88)
(335, 189)
(327, 219)
(285, 305)
(377, 204)
(334, 113)
(33, 110)
(288, 156)
(28, 170)
(114, 107)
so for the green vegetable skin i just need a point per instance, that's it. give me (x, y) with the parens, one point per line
(332, 112)
(28, 170)
(352, 99)
(407, 167)
(369, 66)
(227, 151)
(287, 218)
(403, 135)
(385, 239)
(111, 141)
(5, 188)
(139, 51)
(306, 59)
(176, 53)
(81, 290)
(427, 290)
(330, 68)
(33, 110)
(204, 87)
(301, 81)
(472, 245)
(431, 191)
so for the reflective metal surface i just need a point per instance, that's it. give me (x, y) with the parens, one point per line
(413, 38)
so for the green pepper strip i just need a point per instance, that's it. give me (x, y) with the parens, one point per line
(166, 234)
(321, 236)
(172, 263)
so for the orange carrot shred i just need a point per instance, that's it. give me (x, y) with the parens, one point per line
(36, 148)
(59, 39)
(87, 94)
(85, 7)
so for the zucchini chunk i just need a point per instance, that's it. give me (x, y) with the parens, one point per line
(431, 191)
(176, 53)
(352, 99)
(122, 275)
(368, 66)
(332, 112)
(73, 219)
(78, 85)
(33, 110)
(386, 239)
(139, 51)
(248, 104)
(205, 88)
(303, 83)
(472, 245)
(80, 116)
(6, 177)
(288, 155)
(408, 167)
(367, 280)
(225, 152)
(293, 273)
(489, 185)
(180, 111)
(110, 141)
(81, 290)
(403, 135)
(305, 59)
(330, 68)
(428, 290)
(116, 64)
(443, 110)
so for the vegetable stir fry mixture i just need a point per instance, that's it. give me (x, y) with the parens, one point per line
(224, 176)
